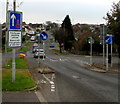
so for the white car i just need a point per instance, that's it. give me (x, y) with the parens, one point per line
(39, 53)
(32, 38)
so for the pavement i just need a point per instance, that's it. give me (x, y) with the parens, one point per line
(114, 69)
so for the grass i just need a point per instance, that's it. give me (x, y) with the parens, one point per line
(25, 47)
(58, 52)
(8, 50)
(22, 82)
(20, 64)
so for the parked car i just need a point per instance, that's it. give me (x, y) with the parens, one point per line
(39, 53)
(52, 45)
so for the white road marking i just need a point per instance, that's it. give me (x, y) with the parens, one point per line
(41, 98)
(52, 90)
(53, 60)
(76, 77)
(53, 76)
(51, 82)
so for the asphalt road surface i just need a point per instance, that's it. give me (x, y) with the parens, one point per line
(72, 82)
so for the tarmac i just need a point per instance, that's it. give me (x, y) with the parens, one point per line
(35, 97)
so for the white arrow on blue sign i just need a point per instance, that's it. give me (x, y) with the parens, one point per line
(108, 39)
(43, 36)
(15, 20)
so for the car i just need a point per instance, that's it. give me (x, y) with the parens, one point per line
(34, 49)
(52, 45)
(39, 53)
(32, 38)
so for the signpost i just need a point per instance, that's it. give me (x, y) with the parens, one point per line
(90, 41)
(43, 36)
(14, 39)
(14, 34)
(108, 40)
(15, 20)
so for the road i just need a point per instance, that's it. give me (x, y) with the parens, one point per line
(72, 82)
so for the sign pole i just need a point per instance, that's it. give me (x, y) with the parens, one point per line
(7, 3)
(111, 54)
(107, 57)
(43, 49)
(13, 51)
(103, 45)
(91, 50)
(43, 36)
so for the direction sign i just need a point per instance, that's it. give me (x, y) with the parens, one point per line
(15, 20)
(108, 39)
(14, 39)
(43, 36)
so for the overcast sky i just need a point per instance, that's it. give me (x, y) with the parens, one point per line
(80, 11)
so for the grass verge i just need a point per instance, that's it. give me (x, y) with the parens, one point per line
(25, 47)
(20, 64)
(58, 52)
(8, 50)
(22, 82)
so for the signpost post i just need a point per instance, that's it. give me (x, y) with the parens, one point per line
(43, 36)
(14, 34)
(108, 40)
(90, 41)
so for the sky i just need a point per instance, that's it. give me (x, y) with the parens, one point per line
(79, 11)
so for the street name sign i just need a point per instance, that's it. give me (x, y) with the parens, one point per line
(14, 39)
(15, 20)
(43, 36)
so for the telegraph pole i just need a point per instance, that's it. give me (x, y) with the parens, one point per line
(13, 51)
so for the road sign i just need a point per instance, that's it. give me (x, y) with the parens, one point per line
(15, 20)
(90, 40)
(108, 39)
(14, 39)
(43, 36)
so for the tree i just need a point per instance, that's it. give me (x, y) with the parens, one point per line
(60, 36)
(67, 27)
(113, 23)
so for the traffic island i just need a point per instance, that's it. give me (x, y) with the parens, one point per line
(45, 71)
(22, 82)
(23, 77)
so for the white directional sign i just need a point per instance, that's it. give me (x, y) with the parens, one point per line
(14, 39)
(15, 20)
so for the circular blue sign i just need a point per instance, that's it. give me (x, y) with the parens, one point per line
(43, 36)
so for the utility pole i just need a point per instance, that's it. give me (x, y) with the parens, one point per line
(13, 51)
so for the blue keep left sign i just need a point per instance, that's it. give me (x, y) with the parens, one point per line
(108, 39)
(43, 36)
(15, 20)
